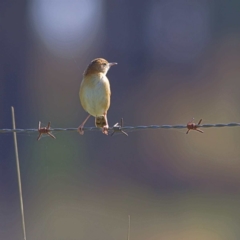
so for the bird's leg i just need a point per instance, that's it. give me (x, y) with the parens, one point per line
(80, 128)
(105, 127)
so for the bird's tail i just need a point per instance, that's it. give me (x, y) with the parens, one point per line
(100, 121)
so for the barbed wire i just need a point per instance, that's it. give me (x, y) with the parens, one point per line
(124, 128)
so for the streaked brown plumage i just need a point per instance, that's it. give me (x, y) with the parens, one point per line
(95, 93)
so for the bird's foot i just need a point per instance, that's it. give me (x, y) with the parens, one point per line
(105, 129)
(80, 129)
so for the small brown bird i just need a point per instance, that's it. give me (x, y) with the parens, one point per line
(95, 93)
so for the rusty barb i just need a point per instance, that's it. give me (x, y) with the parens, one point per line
(44, 130)
(193, 126)
(118, 128)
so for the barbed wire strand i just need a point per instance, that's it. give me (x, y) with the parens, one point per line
(125, 128)
(18, 173)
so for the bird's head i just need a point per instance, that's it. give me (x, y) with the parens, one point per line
(99, 65)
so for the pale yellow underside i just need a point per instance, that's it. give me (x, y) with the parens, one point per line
(95, 94)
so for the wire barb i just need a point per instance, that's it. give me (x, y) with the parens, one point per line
(44, 130)
(118, 128)
(193, 126)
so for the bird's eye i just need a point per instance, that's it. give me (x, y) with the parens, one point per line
(104, 64)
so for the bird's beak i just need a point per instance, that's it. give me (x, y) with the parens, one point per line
(112, 64)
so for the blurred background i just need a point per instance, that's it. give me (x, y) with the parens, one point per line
(177, 59)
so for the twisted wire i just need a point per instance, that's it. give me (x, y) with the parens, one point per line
(125, 128)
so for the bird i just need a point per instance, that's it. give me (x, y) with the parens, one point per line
(95, 93)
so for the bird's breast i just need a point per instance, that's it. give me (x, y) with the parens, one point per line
(95, 94)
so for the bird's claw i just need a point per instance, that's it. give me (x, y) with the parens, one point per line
(80, 130)
(105, 129)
